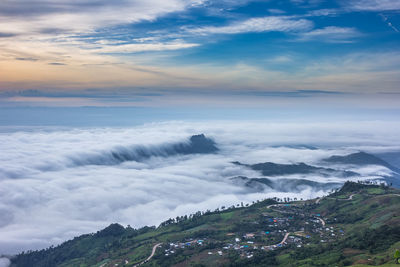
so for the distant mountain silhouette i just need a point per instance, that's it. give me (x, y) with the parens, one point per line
(197, 144)
(282, 185)
(360, 158)
(300, 146)
(274, 169)
(393, 158)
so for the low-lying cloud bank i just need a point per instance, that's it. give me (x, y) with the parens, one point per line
(50, 191)
(4, 262)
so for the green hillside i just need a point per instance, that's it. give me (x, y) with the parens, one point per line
(358, 225)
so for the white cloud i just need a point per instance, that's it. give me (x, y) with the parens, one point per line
(332, 12)
(4, 262)
(276, 11)
(56, 24)
(372, 5)
(45, 200)
(331, 34)
(77, 16)
(263, 24)
(143, 47)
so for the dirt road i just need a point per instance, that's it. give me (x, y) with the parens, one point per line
(151, 255)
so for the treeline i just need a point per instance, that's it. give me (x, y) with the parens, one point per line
(87, 247)
(371, 240)
(352, 187)
(202, 216)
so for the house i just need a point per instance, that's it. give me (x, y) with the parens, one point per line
(250, 235)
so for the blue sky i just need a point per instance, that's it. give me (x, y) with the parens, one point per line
(163, 53)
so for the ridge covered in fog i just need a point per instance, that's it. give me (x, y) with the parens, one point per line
(57, 183)
(196, 144)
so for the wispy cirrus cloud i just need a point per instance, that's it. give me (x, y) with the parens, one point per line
(331, 34)
(188, 44)
(76, 16)
(60, 31)
(325, 12)
(262, 24)
(372, 5)
(144, 47)
(6, 34)
(26, 59)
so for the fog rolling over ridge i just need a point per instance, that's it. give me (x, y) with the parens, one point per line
(197, 144)
(56, 184)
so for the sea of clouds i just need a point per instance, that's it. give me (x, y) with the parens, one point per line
(50, 191)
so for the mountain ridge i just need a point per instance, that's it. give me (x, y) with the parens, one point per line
(197, 144)
(367, 231)
(275, 169)
(360, 158)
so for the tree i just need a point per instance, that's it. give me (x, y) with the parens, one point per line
(397, 256)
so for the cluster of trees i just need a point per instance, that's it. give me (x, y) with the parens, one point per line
(374, 240)
(349, 187)
(86, 247)
(371, 240)
(198, 216)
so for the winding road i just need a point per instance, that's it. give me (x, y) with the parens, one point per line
(151, 255)
(280, 243)
(284, 239)
(321, 220)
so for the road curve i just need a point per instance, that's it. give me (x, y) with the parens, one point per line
(151, 255)
(284, 239)
(280, 243)
(322, 221)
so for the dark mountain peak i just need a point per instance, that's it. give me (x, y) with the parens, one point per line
(357, 157)
(113, 229)
(198, 137)
(200, 144)
(270, 168)
(275, 169)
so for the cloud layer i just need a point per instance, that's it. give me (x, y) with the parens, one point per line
(264, 24)
(373, 5)
(196, 46)
(46, 200)
(79, 15)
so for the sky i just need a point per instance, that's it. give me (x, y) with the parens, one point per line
(200, 53)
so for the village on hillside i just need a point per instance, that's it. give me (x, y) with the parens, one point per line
(293, 227)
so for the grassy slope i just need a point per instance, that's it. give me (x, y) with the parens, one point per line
(370, 222)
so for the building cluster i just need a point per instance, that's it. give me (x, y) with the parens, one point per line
(278, 232)
(183, 245)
